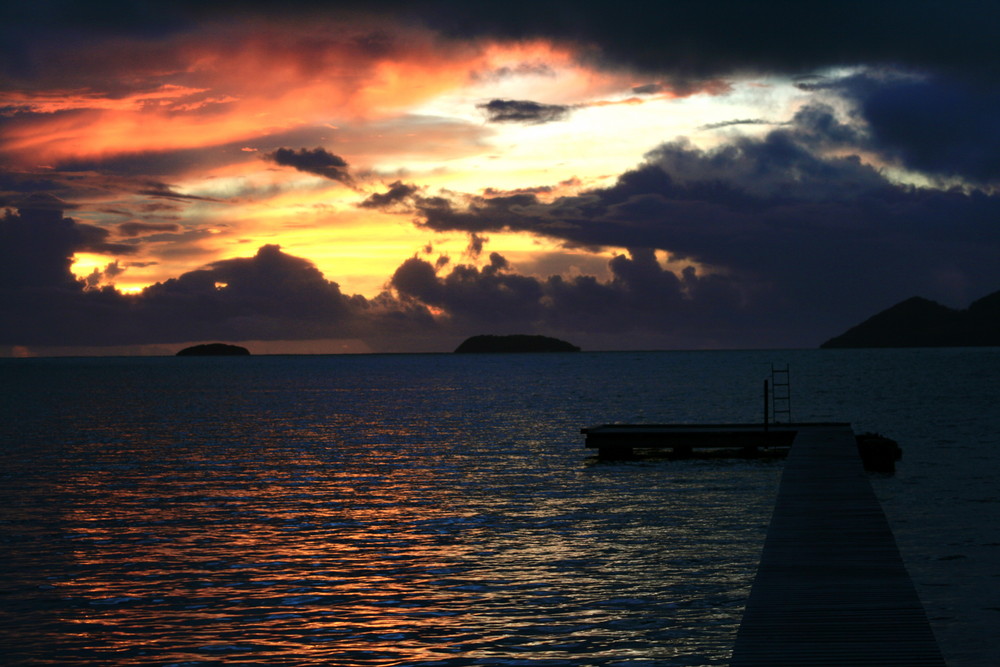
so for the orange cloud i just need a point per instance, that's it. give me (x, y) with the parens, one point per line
(237, 83)
(55, 101)
(181, 118)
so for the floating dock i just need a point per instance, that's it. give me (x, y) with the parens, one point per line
(831, 587)
(621, 440)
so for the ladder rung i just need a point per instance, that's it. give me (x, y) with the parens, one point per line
(781, 393)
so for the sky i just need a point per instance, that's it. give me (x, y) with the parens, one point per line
(310, 177)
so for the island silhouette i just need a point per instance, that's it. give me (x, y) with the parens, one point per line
(214, 350)
(920, 322)
(515, 343)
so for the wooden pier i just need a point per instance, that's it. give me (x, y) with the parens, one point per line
(831, 587)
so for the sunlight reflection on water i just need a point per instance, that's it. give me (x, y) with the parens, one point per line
(280, 556)
(380, 510)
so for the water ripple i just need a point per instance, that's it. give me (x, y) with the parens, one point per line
(421, 521)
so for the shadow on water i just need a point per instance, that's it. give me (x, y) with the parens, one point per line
(722, 455)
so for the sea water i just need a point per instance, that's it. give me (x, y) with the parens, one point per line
(442, 510)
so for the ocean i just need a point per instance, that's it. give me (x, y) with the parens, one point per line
(442, 509)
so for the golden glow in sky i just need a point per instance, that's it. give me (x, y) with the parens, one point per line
(401, 176)
(192, 140)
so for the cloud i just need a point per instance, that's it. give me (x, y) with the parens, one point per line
(269, 296)
(473, 298)
(648, 89)
(87, 96)
(105, 275)
(523, 111)
(318, 161)
(569, 184)
(642, 303)
(702, 40)
(134, 229)
(476, 245)
(942, 127)
(13, 185)
(788, 236)
(794, 221)
(37, 244)
(686, 40)
(399, 195)
(754, 262)
(275, 296)
(522, 69)
(741, 121)
(157, 189)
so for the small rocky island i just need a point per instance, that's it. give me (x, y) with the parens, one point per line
(515, 343)
(214, 350)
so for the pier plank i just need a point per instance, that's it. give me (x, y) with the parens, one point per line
(831, 587)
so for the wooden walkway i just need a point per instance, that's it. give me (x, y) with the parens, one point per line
(831, 588)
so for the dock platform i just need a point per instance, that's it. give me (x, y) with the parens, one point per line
(621, 440)
(831, 587)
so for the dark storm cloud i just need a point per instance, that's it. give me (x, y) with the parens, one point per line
(696, 39)
(827, 237)
(25, 26)
(152, 17)
(38, 242)
(273, 295)
(317, 161)
(933, 125)
(642, 303)
(944, 125)
(269, 296)
(523, 111)
(41, 301)
(41, 201)
(14, 184)
(801, 238)
(473, 297)
(262, 297)
(37, 245)
(685, 38)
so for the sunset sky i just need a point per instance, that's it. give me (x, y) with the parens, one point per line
(390, 176)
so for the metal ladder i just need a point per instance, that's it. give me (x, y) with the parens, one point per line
(781, 395)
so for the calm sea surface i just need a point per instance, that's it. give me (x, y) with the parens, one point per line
(441, 509)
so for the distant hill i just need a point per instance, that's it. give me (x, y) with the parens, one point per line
(214, 350)
(515, 343)
(919, 322)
